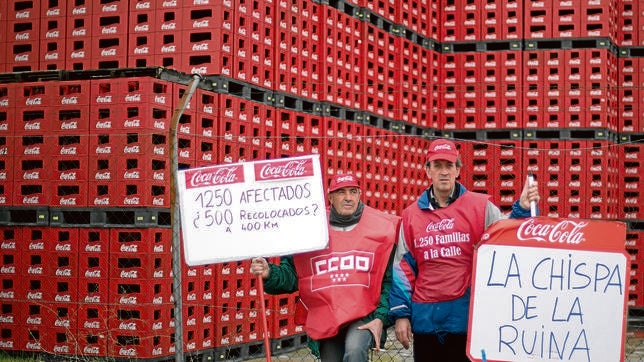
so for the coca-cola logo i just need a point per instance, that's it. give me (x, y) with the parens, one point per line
(223, 175)
(565, 231)
(284, 169)
(444, 224)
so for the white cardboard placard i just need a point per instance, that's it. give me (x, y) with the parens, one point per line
(261, 208)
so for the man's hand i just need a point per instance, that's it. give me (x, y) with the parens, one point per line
(403, 331)
(529, 193)
(259, 266)
(375, 326)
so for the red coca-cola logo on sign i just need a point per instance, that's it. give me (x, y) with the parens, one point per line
(214, 176)
(283, 169)
(563, 232)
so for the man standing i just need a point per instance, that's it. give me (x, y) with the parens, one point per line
(430, 295)
(344, 288)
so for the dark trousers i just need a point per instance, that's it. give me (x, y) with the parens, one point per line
(443, 348)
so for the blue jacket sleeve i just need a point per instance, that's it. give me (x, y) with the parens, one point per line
(404, 277)
(518, 212)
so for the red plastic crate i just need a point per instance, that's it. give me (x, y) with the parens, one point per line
(93, 266)
(566, 20)
(537, 19)
(142, 319)
(135, 241)
(31, 193)
(92, 318)
(92, 343)
(93, 291)
(138, 267)
(41, 289)
(138, 345)
(59, 241)
(50, 315)
(112, 7)
(11, 314)
(596, 19)
(137, 193)
(139, 292)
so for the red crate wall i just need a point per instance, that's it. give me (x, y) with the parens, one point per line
(342, 57)
(297, 45)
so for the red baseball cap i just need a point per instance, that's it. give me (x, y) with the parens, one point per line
(442, 149)
(342, 181)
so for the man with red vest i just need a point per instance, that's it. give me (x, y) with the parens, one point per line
(344, 288)
(430, 295)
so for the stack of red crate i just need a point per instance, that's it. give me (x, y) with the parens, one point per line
(298, 43)
(208, 36)
(634, 246)
(341, 64)
(380, 70)
(139, 305)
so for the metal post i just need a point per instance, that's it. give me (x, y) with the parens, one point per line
(176, 220)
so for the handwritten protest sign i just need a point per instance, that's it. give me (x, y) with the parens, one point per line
(549, 289)
(263, 208)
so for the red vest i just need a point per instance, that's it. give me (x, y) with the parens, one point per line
(441, 242)
(342, 283)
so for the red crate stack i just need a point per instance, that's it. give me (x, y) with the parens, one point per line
(246, 129)
(139, 285)
(537, 19)
(602, 180)
(599, 19)
(421, 17)
(297, 44)
(50, 261)
(575, 186)
(628, 23)
(7, 140)
(341, 65)
(511, 92)
(298, 132)
(22, 35)
(566, 19)
(600, 83)
(208, 34)
(412, 176)
(628, 95)
(507, 171)
(381, 168)
(634, 246)
(415, 72)
(168, 36)
(554, 89)
(344, 145)
(3, 34)
(237, 292)
(574, 111)
(533, 88)
(143, 34)
(631, 182)
(93, 285)
(78, 35)
(379, 67)
(462, 91)
(52, 35)
(255, 23)
(108, 35)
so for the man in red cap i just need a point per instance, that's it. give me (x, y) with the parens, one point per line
(343, 289)
(430, 295)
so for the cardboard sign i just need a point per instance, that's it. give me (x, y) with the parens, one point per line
(548, 289)
(263, 208)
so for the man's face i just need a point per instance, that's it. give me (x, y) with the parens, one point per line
(345, 200)
(443, 175)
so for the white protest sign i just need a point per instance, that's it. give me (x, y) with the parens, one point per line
(548, 289)
(262, 208)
